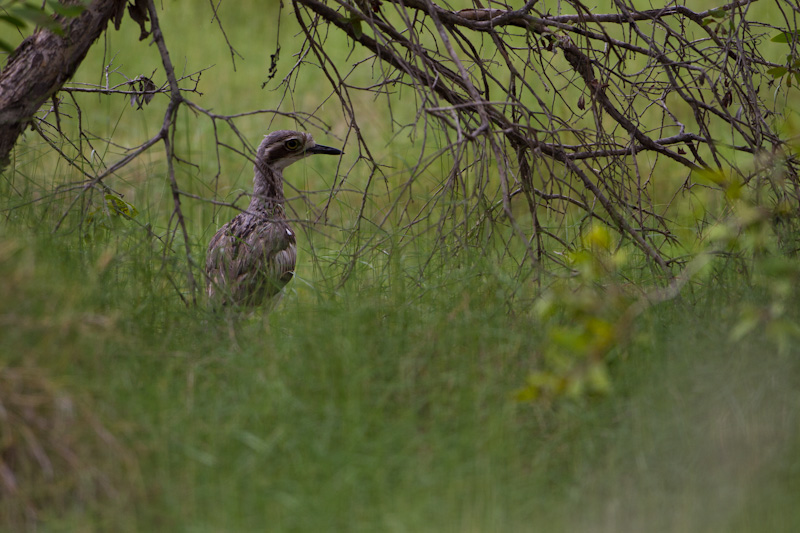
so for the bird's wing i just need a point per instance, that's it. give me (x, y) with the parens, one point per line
(221, 250)
(284, 261)
(271, 254)
(250, 259)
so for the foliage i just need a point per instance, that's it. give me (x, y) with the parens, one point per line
(600, 219)
(18, 14)
(372, 409)
(585, 318)
(569, 113)
(474, 339)
(590, 317)
(56, 453)
(528, 129)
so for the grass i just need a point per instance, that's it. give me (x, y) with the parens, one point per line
(374, 410)
(384, 404)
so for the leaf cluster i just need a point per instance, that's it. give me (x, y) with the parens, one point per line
(21, 14)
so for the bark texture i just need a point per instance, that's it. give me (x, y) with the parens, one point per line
(41, 65)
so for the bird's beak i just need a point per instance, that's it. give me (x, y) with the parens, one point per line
(320, 149)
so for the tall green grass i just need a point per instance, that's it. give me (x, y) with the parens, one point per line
(372, 409)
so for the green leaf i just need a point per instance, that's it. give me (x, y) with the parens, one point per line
(597, 379)
(4, 46)
(733, 190)
(745, 326)
(355, 22)
(14, 21)
(718, 13)
(710, 175)
(37, 17)
(783, 37)
(70, 11)
(121, 207)
(777, 72)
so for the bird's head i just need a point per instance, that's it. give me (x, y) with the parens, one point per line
(281, 148)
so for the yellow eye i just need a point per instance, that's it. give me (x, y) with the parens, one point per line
(292, 144)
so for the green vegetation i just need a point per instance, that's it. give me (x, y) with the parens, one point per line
(372, 410)
(467, 399)
(384, 405)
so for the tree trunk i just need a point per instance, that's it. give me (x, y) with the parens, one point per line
(41, 65)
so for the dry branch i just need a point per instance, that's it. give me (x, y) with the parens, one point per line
(549, 122)
(676, 52)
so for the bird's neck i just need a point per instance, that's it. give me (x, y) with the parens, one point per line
(267, 191)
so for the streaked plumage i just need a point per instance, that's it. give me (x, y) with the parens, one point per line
(253, 256)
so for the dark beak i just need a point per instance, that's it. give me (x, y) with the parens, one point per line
(320, 149)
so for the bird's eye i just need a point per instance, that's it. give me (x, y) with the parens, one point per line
(292, 144)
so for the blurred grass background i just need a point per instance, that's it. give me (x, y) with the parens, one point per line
(384, 404)
(368, 411)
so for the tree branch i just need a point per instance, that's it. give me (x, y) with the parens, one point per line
(41, 65)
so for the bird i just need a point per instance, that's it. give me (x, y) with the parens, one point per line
(252, 257)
